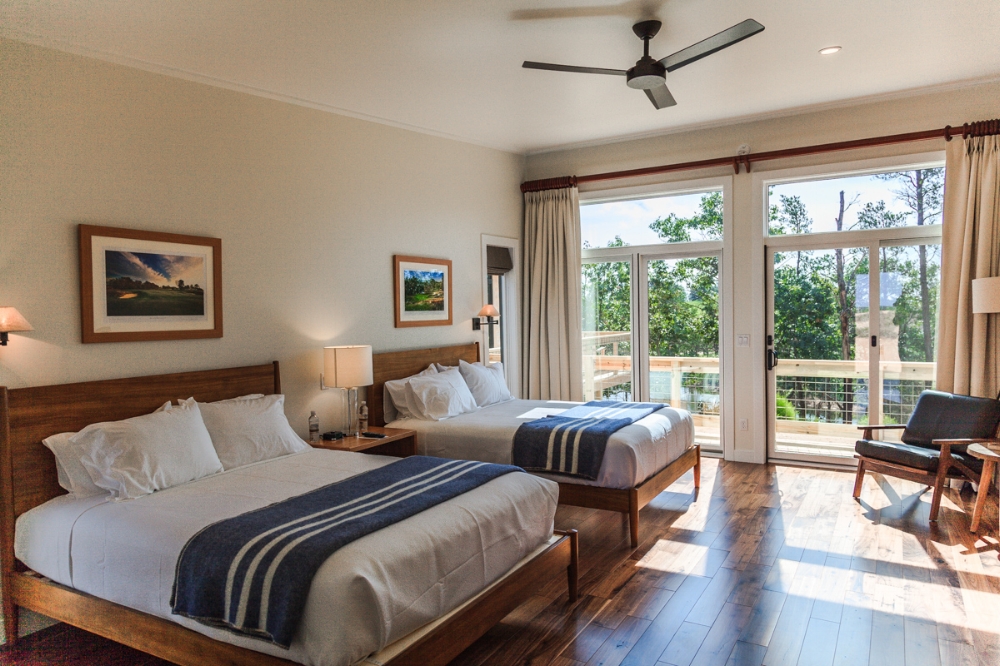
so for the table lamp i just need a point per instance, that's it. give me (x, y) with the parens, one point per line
(348, 367)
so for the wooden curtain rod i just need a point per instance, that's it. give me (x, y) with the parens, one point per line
(980, 128)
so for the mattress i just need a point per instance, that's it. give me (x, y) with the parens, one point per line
(366, 596)
(633, 454)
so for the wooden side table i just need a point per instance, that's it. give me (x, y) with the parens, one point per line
(397, 442)
(989, 454)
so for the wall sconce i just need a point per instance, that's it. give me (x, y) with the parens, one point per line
(348, 367)
(488, 315)
(10, 321)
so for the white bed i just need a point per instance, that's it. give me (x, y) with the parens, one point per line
(634, 453)
(366, 596)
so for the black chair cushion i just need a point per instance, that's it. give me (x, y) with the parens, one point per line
(940, 415)
(908, 455)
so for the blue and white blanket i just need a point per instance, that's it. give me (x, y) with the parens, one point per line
(251, 573)
(573, 442)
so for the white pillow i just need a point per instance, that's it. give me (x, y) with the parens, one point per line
(440, 367)
(249, 429)
(394, 396)
(440, 396)
(73, 476)
(141, 455)
(486, 382)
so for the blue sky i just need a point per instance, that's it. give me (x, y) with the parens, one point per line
(160, 269)
(600, 223)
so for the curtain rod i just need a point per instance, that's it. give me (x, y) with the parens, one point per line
(980, 128)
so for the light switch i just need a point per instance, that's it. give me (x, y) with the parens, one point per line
(743, 340)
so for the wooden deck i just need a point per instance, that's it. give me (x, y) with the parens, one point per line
(771, 565)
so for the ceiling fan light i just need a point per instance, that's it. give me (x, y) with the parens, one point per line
(829, 50)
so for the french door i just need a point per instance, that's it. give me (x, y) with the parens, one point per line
(849, 339)
(651, 330)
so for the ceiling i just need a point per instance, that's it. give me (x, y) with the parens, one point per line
(453, 68)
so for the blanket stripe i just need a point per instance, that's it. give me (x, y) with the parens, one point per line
(574, 442)
(251, 573)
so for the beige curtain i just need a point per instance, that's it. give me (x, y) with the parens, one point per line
(551, 352)
(968, 343)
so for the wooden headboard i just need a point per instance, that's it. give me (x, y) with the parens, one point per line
(398, 364)
(29, 415)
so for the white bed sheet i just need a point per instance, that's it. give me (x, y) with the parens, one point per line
(633, 454)
(365, 596)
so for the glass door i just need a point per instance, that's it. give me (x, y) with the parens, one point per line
(607, 330)
(681, 367)
(850, 342)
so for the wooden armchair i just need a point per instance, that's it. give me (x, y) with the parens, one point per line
(934, 443)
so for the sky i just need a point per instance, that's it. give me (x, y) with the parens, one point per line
(160, 269)
(601, 222)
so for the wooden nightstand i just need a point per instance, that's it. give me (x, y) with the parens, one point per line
(397, 442)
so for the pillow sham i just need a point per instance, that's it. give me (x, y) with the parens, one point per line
(141, 455)
(73, 476)
(249, 429)
(442, 395)
(395, 402)
(486, 382)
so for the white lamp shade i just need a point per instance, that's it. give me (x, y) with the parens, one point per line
(11, 320)
(986, 295)
(489, 311)
(347, 366)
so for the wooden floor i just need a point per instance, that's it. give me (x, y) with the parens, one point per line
(771, 565)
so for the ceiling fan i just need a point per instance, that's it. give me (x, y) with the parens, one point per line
(650, 75)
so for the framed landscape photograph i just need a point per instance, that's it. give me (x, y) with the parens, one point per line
(422, 291)
(144, 285)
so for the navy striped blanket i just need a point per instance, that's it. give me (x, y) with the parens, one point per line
(250, 574)
(573, 442)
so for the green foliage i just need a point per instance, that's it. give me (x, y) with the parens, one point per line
(784, 409)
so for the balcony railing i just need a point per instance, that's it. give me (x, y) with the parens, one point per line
(828, 398)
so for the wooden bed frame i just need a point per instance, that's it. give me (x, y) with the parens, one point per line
(28, 478)
(399, 364)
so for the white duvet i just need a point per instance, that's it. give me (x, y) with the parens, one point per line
(633, 454)
(365, 596)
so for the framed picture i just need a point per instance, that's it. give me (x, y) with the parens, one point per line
(143, 285)
(422, 291)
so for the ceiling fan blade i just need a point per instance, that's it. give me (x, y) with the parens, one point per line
(707, 47)
(570, 68)
(660, 97)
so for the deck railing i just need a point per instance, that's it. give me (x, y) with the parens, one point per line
(820, 392)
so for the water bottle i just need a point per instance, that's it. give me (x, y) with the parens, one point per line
(363, 416)
(313, 428)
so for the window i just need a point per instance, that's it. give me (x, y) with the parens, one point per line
(852, 313)
(651, 291)
(855, 203)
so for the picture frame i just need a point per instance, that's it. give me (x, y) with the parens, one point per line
(421, 291)
(145, 285)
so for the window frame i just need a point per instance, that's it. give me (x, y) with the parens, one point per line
(637, 255)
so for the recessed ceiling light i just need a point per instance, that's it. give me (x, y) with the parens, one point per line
(829, 50)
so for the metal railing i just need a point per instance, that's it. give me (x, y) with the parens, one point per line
(819, 391)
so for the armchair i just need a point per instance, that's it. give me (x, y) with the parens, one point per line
(934, 443)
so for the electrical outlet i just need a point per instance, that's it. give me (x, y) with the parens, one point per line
(743, 340)
(744, 424)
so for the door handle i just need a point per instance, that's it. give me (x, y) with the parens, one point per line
(771, 359)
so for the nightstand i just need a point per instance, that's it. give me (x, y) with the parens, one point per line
(397, 442)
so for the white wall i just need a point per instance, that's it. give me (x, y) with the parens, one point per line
(920, 112)
(310, 208)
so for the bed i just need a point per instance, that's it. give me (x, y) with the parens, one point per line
(130, 608)
(637, 466)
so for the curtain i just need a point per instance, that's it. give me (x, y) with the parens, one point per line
(968, 343)
(551, 353)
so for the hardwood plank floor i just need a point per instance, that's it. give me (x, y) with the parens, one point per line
(770, 565)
